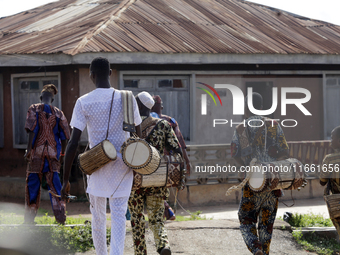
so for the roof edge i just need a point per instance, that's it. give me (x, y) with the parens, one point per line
(157, 58)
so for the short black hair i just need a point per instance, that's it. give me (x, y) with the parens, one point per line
(257, 100)
(101, 67)
(337, 131)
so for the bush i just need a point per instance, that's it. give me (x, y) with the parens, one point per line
(308, 220)
(50, 240)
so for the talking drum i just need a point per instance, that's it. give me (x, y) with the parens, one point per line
(283, 174)
(140, 156)
(169, 174)
(333, 205)
(98, 156)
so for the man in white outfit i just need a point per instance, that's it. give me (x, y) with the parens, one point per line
(113, 180)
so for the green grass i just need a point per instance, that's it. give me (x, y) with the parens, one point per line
(12, 218)
(52, 240)
(315, 243)
(193, 216)
(312, 242)
(308, 220)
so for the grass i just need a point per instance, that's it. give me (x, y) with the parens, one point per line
(308, 220)
(315, 243)
(12, 218)
(311, 242)
(59, 239)
(51, 240)
(193, 216)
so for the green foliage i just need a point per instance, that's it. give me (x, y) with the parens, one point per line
(12, 218)
(54, 239)
(318, 244)
(309, 220)
(76, 239)
(193, 216)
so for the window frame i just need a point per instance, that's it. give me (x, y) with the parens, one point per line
(17, 76)
(2, 135)
(155, 76)
(325, 113)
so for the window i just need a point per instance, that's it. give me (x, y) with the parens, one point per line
(174, 91)
(265, 89)
(26, 90)
(332, 104)
(1, 112)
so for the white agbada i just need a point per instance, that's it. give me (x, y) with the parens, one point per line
(92, 110)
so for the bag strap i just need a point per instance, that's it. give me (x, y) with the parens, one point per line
(108, 124)
(127, 102)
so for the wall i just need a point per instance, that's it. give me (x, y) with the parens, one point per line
(203, 195)
(85, 83)
(12, 161)
(308, 128)
(205, 132)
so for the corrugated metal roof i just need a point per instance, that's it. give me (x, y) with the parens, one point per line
(164, 26)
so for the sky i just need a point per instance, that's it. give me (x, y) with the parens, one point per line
(325, 10)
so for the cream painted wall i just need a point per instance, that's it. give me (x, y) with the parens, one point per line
(86, 86)
(205, 132)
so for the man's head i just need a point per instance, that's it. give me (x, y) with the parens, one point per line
(158, 106)
(48, 92)
(335, 138)
(145, 102)
(257, 103)
(100, 69)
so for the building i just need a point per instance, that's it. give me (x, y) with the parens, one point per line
(168, 48)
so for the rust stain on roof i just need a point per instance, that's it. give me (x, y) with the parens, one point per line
(164, 26)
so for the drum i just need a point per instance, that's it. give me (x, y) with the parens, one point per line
(333, 205)
(169, 174)
(284, 174)
(139, 155)
(97, 157)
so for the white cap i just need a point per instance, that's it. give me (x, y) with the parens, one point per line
(146, 99)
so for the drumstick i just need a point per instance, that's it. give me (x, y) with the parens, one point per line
(56, 195)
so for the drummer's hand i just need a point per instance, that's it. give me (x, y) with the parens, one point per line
(27, 155)
(183, 181)
(182, 185)
(65, 191)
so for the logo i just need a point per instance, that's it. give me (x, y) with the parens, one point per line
(239, 102)
(204, 97)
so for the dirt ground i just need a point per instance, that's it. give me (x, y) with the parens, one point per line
(203, 237)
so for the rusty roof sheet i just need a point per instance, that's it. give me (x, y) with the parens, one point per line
(164, 26)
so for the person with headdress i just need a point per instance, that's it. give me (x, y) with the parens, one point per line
(48, 133)
(156, 111)
(159, 134)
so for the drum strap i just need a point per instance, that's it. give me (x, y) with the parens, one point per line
(146, 126)
(127, 101)
(291, 194)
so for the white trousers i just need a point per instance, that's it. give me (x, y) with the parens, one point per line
(118, 207)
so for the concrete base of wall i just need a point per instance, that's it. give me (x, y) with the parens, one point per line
(214, 194)
(198, 195)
